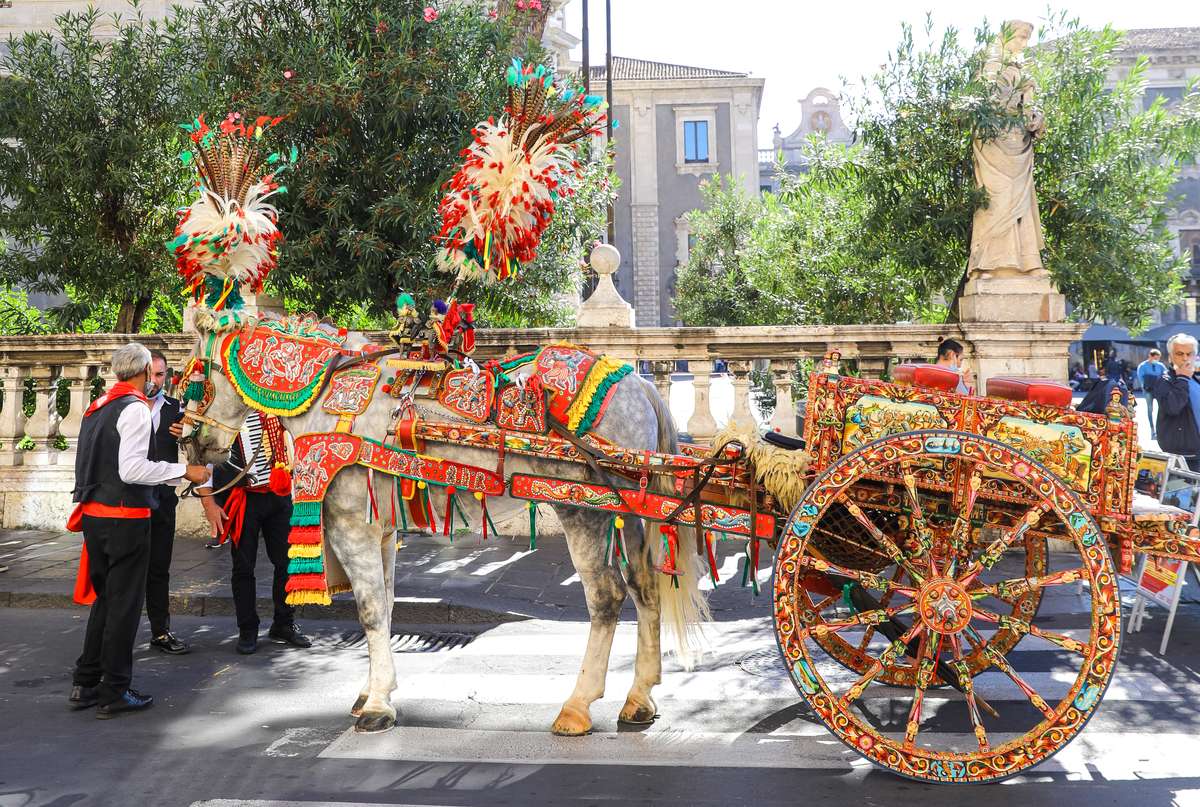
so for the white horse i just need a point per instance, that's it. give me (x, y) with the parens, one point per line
(365, 558)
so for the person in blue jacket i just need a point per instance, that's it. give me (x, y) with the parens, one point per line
(1149, 372)
(1178, 397)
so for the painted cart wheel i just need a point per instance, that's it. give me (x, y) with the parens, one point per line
(988, 726)
(842, 539)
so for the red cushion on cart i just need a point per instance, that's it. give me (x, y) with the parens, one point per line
(926, 375)
(1035, 390)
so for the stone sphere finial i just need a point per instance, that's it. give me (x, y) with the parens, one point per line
(605, 259)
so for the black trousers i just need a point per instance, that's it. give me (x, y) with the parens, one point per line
(267, 515)
(158, 575)
(118, 554)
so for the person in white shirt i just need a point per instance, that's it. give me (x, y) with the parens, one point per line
(113, 494)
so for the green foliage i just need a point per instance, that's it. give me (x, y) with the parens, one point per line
(18, 317)
(26, 444)
(89, 186)
(880, 231)
(380, 103)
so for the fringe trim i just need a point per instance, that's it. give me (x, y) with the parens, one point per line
(596, 377)
(304, 551)
(308, 598)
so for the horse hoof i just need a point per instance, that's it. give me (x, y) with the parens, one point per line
(356, 709)
(374, 723)
(572, 722)
(637, 713)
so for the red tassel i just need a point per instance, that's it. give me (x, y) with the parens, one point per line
(483, 503)
(671, 540)
(235, 512)
(712, 556)
(280, 480)
(84, 593)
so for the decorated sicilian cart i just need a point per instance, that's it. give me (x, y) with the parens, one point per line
(916, 531)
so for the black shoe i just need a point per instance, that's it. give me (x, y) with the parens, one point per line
(82, 697)
(169, 643)
(247, 643)
(289, 635)
(130, 701)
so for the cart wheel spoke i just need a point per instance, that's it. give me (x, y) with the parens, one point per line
(920, 525)
(866, 579)
(927, 656)
(873, 617)
(1011, 590)
(1001, 663)
(1021, 626)
(886, 659)
(889, 546)
(968, 689)
(998, 547)
(962, 525)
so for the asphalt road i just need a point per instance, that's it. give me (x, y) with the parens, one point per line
(272, 729)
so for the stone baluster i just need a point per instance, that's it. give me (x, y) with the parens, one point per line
(742, 416)
(12, 416)
(38, 427)
(80, 396)
(784, 418)
(661, 370)
(701, 425)
(872, 366)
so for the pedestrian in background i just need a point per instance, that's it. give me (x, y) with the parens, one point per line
(1178, 396)
(114, 491)
(165, 411)
(1100, 395)
(1149, 372)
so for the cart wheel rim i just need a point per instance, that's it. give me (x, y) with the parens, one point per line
(951, 618)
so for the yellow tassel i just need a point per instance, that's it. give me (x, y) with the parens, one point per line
(487, 250)
(304, 551)
(603, 367)
(308, 598)
(225, 292)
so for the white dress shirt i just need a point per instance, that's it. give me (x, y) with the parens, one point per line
(133, 464)
(156, 405)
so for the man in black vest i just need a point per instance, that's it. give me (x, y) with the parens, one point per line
(164, 447)
(114, 481)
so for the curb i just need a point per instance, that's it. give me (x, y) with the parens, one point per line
(405, 613)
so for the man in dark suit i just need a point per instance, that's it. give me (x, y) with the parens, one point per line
(164, 447)
(258, 504)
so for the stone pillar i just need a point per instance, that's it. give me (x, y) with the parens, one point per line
(646, 280)
(605, 308)
(1011, 297)
(12, 416)
(742, 416)
(1025, 349)
(38, 425)
(784, 418)
(701, 425)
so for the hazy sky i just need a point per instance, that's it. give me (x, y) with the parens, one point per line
(797, 45)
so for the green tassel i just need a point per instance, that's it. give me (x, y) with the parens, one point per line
(194, 391)
(461, 514)
(305, 566)
(746, 570)
(608, 541)
(491, 524)
(532, 526)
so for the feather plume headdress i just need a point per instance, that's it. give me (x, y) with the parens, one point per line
(500, 201)
(229, 236)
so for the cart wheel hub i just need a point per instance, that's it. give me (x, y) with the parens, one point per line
(944, 606)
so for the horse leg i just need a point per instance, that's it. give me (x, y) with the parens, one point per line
(639, 707)
(605, 591)
(358, 548)
(388, 551)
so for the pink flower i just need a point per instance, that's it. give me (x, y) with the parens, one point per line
(382, 27)
(521, 5)
(493, 14)
(535, 5)
(430, 14)
(288, 73)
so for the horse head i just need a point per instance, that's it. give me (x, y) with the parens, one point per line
(214, 407)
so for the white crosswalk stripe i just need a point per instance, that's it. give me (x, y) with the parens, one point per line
(492, 701)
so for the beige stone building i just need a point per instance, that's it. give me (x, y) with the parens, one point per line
(678, 125)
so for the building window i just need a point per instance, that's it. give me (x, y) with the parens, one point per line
(695, 141)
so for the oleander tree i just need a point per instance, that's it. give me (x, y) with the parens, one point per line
(880, 231)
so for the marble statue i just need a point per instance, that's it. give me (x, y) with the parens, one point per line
(1006, 235)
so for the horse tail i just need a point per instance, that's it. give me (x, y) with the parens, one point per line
(684, 608)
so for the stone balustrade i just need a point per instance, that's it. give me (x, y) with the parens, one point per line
(37, 452)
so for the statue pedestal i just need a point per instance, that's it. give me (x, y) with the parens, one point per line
(1011, 298)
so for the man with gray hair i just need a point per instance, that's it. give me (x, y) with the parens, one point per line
(1178, 397)
(114, 481)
